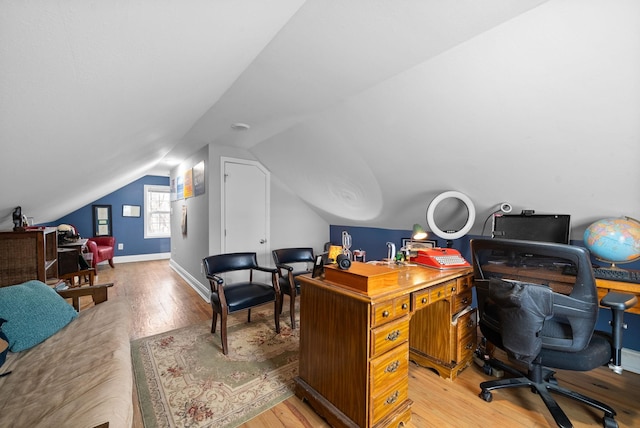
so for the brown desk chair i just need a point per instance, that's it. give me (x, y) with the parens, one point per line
(238, 296)
(284, 259)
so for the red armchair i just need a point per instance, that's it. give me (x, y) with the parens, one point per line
(102, 248)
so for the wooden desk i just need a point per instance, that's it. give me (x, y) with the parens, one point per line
(355, 347)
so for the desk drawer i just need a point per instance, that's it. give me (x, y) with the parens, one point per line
(390, 310)
(389, 368)
(389, 336)
(420, 299)
(461, 301)
(466, 329)
(439, 292)
(389, 400)
(465, 283)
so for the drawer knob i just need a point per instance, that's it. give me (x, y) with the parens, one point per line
(391, 368)
(393, 335)
(404, 306)
(439, 293)
(465, 300)
(424, 300)
(385, 314)
(471, 323)
(393, 397)
(469, 346)
(453, 289)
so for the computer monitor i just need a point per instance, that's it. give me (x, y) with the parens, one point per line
(533, 227)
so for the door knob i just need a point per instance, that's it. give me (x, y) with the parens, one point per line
(262, 241)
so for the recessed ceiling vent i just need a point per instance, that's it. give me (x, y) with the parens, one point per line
(239, 126)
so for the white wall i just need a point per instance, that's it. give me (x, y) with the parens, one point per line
(293, 222)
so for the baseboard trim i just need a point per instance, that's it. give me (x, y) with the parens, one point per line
(631, 360)
(193, 282)
(139, 258)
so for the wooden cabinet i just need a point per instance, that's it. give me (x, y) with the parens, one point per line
(443, 333)
(29, 254)
(355, 346)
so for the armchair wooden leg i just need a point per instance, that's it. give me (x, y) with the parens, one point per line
(111, 263)
(292, 308)
(214, 321)
(276, 315)
(223, 332)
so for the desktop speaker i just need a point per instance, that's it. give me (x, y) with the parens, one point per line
(343, 261)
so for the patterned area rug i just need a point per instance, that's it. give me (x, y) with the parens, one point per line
(184, 380)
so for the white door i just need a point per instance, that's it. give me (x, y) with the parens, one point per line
(245, 210)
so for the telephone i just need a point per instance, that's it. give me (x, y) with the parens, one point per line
(440, 258)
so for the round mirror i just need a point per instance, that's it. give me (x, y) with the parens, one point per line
(445, 198)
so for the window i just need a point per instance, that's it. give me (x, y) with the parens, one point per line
(157, 222)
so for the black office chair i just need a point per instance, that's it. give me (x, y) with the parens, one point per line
(287, 260)
(539, 303)
(238, 296)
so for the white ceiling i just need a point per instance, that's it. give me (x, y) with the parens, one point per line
(366, 109)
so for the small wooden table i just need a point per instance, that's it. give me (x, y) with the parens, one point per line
(79, 245)
(69, 264)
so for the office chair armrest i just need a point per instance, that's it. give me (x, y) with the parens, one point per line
(216, 279)
(619, 301)
(283, 266)
(265, 269)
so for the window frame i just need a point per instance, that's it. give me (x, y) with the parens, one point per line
(148, 188)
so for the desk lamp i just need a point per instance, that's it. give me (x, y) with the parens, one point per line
(418, 232)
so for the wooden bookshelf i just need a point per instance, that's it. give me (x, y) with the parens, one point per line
(28, 254)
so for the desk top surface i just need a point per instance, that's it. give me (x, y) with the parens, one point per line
(410, 278)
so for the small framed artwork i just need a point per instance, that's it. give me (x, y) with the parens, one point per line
(131, 211)
(417, 244)
(101, 220)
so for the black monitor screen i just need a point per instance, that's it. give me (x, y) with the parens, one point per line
(534, 227)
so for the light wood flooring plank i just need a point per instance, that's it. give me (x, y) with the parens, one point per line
(162, 301)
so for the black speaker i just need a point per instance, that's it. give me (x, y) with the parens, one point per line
(343, 262)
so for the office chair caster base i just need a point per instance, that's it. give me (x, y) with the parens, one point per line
(486, 396)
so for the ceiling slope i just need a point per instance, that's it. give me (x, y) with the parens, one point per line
(94, 94)
(368, 108)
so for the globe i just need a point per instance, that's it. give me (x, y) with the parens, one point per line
(614, 240)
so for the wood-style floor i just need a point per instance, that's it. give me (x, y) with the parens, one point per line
(160, 301)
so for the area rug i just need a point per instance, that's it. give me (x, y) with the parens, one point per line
(184, 380)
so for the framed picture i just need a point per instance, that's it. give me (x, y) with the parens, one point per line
(131, 211)
(417, 244)
(101, 220)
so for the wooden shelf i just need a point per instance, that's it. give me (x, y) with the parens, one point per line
(29, 254)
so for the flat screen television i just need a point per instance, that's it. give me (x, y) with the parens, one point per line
(533, 227)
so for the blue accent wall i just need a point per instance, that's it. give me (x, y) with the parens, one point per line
(127, 230)
(374, 242)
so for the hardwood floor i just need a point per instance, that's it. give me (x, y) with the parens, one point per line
(160, 301)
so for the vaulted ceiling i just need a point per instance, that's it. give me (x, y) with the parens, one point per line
(367, 109)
